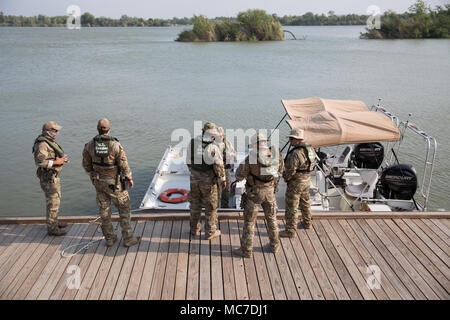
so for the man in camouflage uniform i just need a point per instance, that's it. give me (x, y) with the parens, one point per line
(49, 157)
(228, 154)
(299, 163)
(261, 169)
(204, 160)
(106, 163)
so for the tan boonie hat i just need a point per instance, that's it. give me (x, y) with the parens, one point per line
(103, 124)
(297, 134)
(51, 125)
(213, 132)
(209, 125)
(257, 138)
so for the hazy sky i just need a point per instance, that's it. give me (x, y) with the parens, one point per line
(210, 8)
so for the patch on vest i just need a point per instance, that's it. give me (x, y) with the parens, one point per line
(101, 147)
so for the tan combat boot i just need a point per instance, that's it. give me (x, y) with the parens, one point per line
(239, 252)
(132, 241)
(275, 247)
(110, 242)
(287, 234)
(62, 224)
(214, 235)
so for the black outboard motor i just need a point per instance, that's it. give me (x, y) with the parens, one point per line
(398, 182)
(368, 155)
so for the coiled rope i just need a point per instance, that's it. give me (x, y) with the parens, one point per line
(86, 245)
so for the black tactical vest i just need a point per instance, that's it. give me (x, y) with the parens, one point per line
(197, 153)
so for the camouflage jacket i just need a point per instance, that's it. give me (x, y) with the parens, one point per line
(44, 155)
(251, 172)
(296, 160)
(116, 160)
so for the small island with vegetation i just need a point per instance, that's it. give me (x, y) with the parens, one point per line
(252, 25)
(419, 22)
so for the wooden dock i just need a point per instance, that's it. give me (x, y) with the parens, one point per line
(352, 256)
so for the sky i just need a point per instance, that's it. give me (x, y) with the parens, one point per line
(211, 8)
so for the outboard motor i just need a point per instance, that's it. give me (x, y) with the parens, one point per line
(398, 182)
(368, 155)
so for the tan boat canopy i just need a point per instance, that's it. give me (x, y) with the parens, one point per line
(331, 122)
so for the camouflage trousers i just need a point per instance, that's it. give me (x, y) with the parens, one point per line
(206, 195)
(121, 200)
(297, 192)
(225, 193)
(52, 191)
(265, 197)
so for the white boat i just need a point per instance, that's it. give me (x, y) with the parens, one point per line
(361, 173)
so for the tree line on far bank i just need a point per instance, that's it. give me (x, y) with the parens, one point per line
(89, 20)
(418, 23)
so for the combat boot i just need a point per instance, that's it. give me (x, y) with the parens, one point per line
(275, 247)
(239, 252)
(214, 235)
(110, 242)
(57, 232)
(287, 234)
(306, 225)
(62, 224)
(132, 241)
(195, 232)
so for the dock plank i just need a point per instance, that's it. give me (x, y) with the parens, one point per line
(216, 270)
(434, 258)
(313, 258)
(294, 267)
(439, 237)
(415, 257)
(262, 273)
(387, 273)
(193, 267)
(363, 260)
(87, 258)
(182, 262)
(227, 262)
(161, 262)
(327, 264)
(50, 265)
(404, 260)
(127, 267)
(150, 262)
(9, 233)
(238, 263)
(204, 291)
(61, 286)
(352, 270)
(249, 269)
(89, 274)
(172, 259)
(272, 267)
(59, 270)
(141, 256)
(441, 226)
(400, 269)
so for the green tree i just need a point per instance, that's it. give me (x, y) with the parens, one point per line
(87, 19)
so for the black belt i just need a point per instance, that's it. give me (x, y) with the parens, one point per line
(102, 164)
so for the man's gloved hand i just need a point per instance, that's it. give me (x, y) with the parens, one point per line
(60, 161)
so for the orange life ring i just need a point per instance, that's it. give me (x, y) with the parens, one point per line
(164, 196)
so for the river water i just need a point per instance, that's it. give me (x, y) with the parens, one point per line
(148, 85)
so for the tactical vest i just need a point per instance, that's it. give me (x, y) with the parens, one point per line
(197, 154)
(102, 150)
(266, 170)
(310, 156)
(53, 144)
